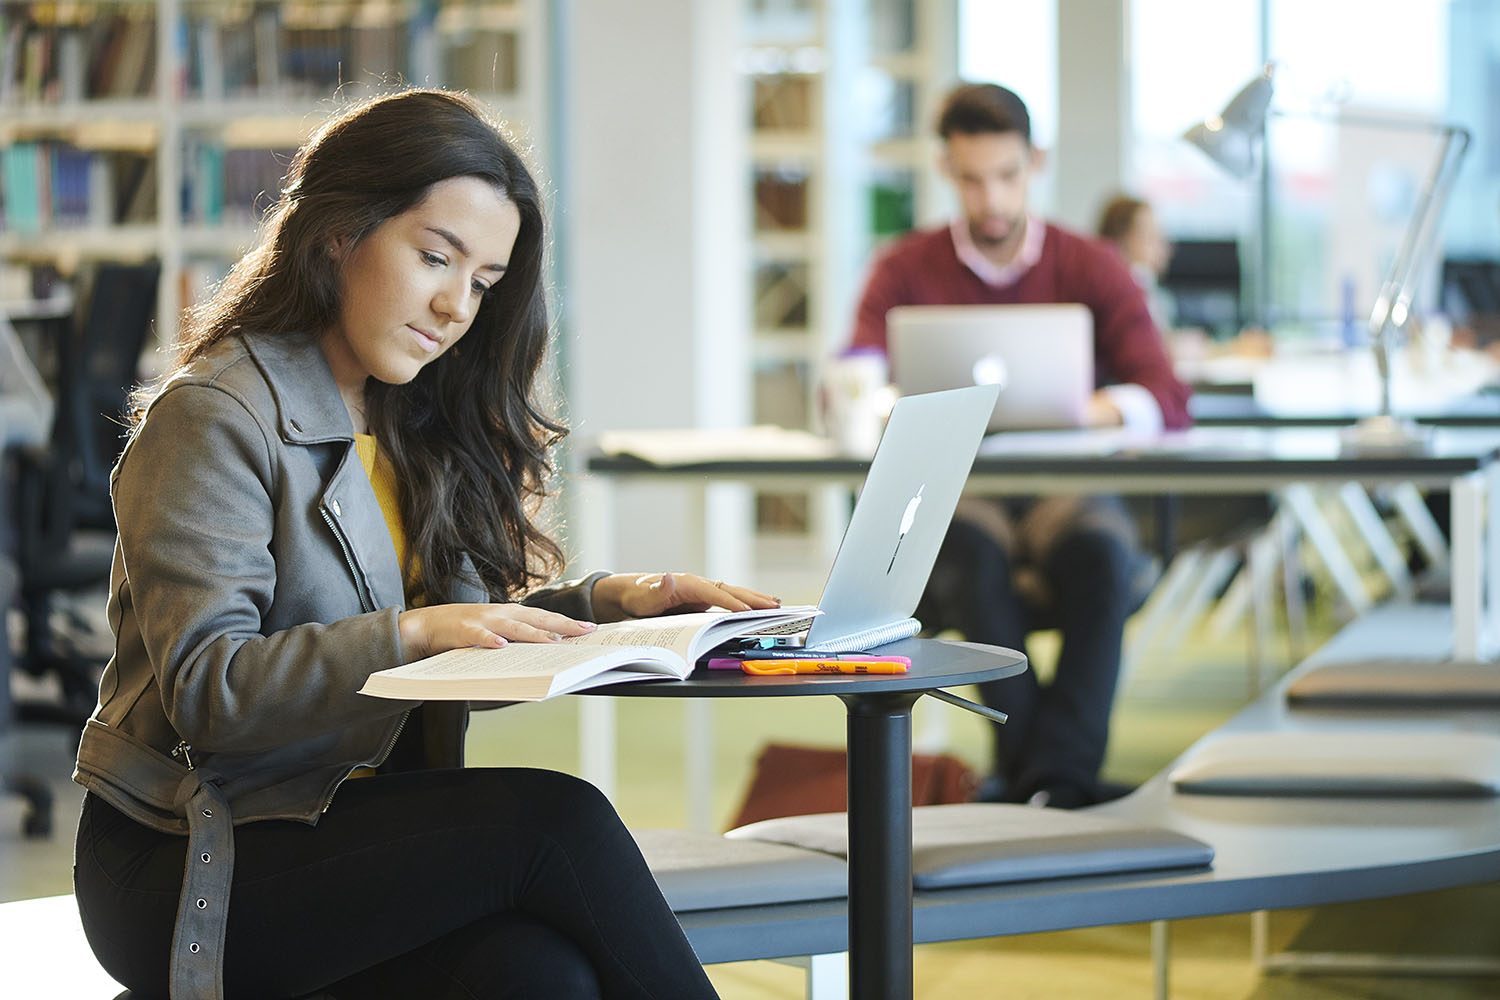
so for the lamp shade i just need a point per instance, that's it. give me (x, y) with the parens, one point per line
(1231, 137)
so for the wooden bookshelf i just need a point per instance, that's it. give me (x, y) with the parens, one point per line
(202, 101)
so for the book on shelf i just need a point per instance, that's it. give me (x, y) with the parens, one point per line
(783, 103)
(663, 648)
(376, 54)
(424, 62)
(485, 61)
(134, 188)
(272, 51)
(781, 295)
(122, 62)
(53, 185)
(266, 27)
(67, 53)
(72, 65)
(781, 199)
(20, 189)
(779, 393)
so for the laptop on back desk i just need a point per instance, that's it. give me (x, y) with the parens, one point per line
(1040, 357)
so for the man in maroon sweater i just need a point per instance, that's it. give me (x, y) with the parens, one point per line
(1017, 564)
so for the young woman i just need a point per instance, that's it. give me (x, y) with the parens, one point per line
(1129, 224)
(342, 474)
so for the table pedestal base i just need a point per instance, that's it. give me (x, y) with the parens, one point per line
(880, 903)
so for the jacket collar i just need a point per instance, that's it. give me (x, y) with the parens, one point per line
(309, 409)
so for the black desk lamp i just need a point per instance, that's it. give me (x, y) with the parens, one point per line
(1232, 140)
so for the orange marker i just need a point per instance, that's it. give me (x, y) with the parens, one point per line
(883, 665)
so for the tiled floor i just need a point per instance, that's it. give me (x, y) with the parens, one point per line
(1166, 704)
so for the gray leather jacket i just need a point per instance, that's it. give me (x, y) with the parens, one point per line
(254, 589)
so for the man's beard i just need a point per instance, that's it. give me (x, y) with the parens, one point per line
(985, 241)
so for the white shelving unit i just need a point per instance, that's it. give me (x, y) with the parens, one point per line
(912, 62)
(822, 72)
(281, 118)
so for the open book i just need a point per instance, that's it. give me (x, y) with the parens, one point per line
(642, 649)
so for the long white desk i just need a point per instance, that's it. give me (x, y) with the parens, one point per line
(1205, 461)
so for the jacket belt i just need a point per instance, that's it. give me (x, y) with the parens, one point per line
(197, 968)
(174, 793)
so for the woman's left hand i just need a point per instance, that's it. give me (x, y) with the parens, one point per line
(646, 595)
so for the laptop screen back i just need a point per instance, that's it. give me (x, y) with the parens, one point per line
(1041, 357)
(903, 512)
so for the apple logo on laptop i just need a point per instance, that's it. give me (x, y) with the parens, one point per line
(908, 518)
(991, 370)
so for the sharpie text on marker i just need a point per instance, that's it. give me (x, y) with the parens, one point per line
(766, 667)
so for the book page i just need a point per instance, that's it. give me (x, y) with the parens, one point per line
(674, 632)
(516, 659)
(520, 671)
(688, 635)
(523, 671)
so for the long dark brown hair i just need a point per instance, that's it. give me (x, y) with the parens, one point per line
(468, 438)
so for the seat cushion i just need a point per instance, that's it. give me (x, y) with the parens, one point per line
(704, 871)
(982, 844)
(1398, 683)
(1348, 761)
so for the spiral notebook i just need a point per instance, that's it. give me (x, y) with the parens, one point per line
(897, 527)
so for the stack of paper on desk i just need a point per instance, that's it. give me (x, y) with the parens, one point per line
(689, 446)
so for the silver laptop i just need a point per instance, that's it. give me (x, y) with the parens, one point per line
(1040, 356)
(898, 524)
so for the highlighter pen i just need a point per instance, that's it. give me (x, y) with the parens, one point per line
(730, 660)
(820, 665)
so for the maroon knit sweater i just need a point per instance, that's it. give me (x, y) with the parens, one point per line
(922, 268)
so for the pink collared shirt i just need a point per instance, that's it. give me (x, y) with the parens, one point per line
(924, 268)
(1139, 410)
(987, 270)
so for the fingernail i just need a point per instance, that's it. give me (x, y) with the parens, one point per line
(500, 641)
(555, 637)
(587, 626)
(777, 600)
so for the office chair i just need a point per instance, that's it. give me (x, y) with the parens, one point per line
(1203, 279)
(65, 527)
(37, 820)
(1471, 296)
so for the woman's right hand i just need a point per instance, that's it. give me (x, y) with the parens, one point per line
(437, 629)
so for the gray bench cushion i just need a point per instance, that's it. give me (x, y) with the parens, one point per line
(1347, 761)
(980, 844)
(704, 871)
(1399, 683)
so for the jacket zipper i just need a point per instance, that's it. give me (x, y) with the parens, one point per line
(348, 558)
(182, 749)
(390, 742)
(385, 751)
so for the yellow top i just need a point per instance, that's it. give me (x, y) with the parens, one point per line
(383, 479)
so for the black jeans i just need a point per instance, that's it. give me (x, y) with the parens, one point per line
(471, 883)
(1007, 569)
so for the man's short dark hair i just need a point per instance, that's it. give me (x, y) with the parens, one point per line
(979, 108)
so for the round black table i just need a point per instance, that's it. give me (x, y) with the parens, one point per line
(879, 744)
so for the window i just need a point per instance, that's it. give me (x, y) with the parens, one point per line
(1187, 59)
(1015, 44)
(1340, 194)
